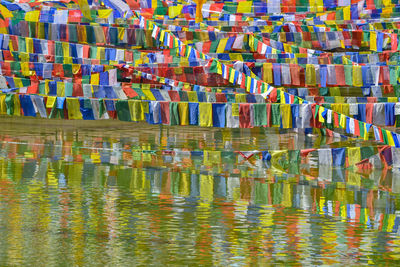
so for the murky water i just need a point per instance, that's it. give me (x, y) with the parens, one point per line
(145, 195)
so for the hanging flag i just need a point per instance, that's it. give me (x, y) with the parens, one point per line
(5, 12)
(85, 9)
(121, 8)
(104, 13)
(174, 11)
(32, 16)
(199, 6)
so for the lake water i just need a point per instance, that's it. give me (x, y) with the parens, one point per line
(134, 194)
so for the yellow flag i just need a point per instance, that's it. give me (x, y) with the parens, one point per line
(286, 116)
(60, 89)
(219, 68)
(3, 107)
(391, 221)
(184, 188)
(184, 112)
(267, 73)
(192, 96)
(17, 106)
(240, 98)
(46, 87)
(85, 9)
(287, 48)
(345, 109)
(312, 6)
(211, 157)
(75, 68)
(287, 195)
(206, 188)
(32, 16)
(366, 135)
(283, 99)
(235, 109)
(342, 44)
(65, 48)
(149, 95)
(346, 13)
(231, 75)
(67, 60)
(174, 11)
(357, 76)
(25, 69)
(390, 138)
(342, 122)
(310, 75)
(248, 84)
(199, 6)
(353, 179)
(236, 56)
(95, 79)
(162, 34)
(205, 114)
(371, 27)
(222, 45)
(372, 41)
(153, 3)
(320, 117)
(339, 99)
(387, 3)
(354, 155)
(135, 108)
(25, 56)
(244, 7)
(145, 107)
(51, 100)
(5, 12)
(74, 112)
(18, 82)
(104, 13)
(40, 31)
(121, 33)
(320, 5)
(277, 158)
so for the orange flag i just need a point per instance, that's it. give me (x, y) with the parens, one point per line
(199, 6)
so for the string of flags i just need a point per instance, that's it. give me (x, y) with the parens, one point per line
(232, 64)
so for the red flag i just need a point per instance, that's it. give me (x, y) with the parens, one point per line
(244, 115)
(273, 96)
(335, 120)
(356, 128)
(393, 39)
(304, 152)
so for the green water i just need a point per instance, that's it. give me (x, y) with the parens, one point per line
(135, 196)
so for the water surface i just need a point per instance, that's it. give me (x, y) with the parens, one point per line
(134, 194)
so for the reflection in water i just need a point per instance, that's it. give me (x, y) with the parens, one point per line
(143, 197)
